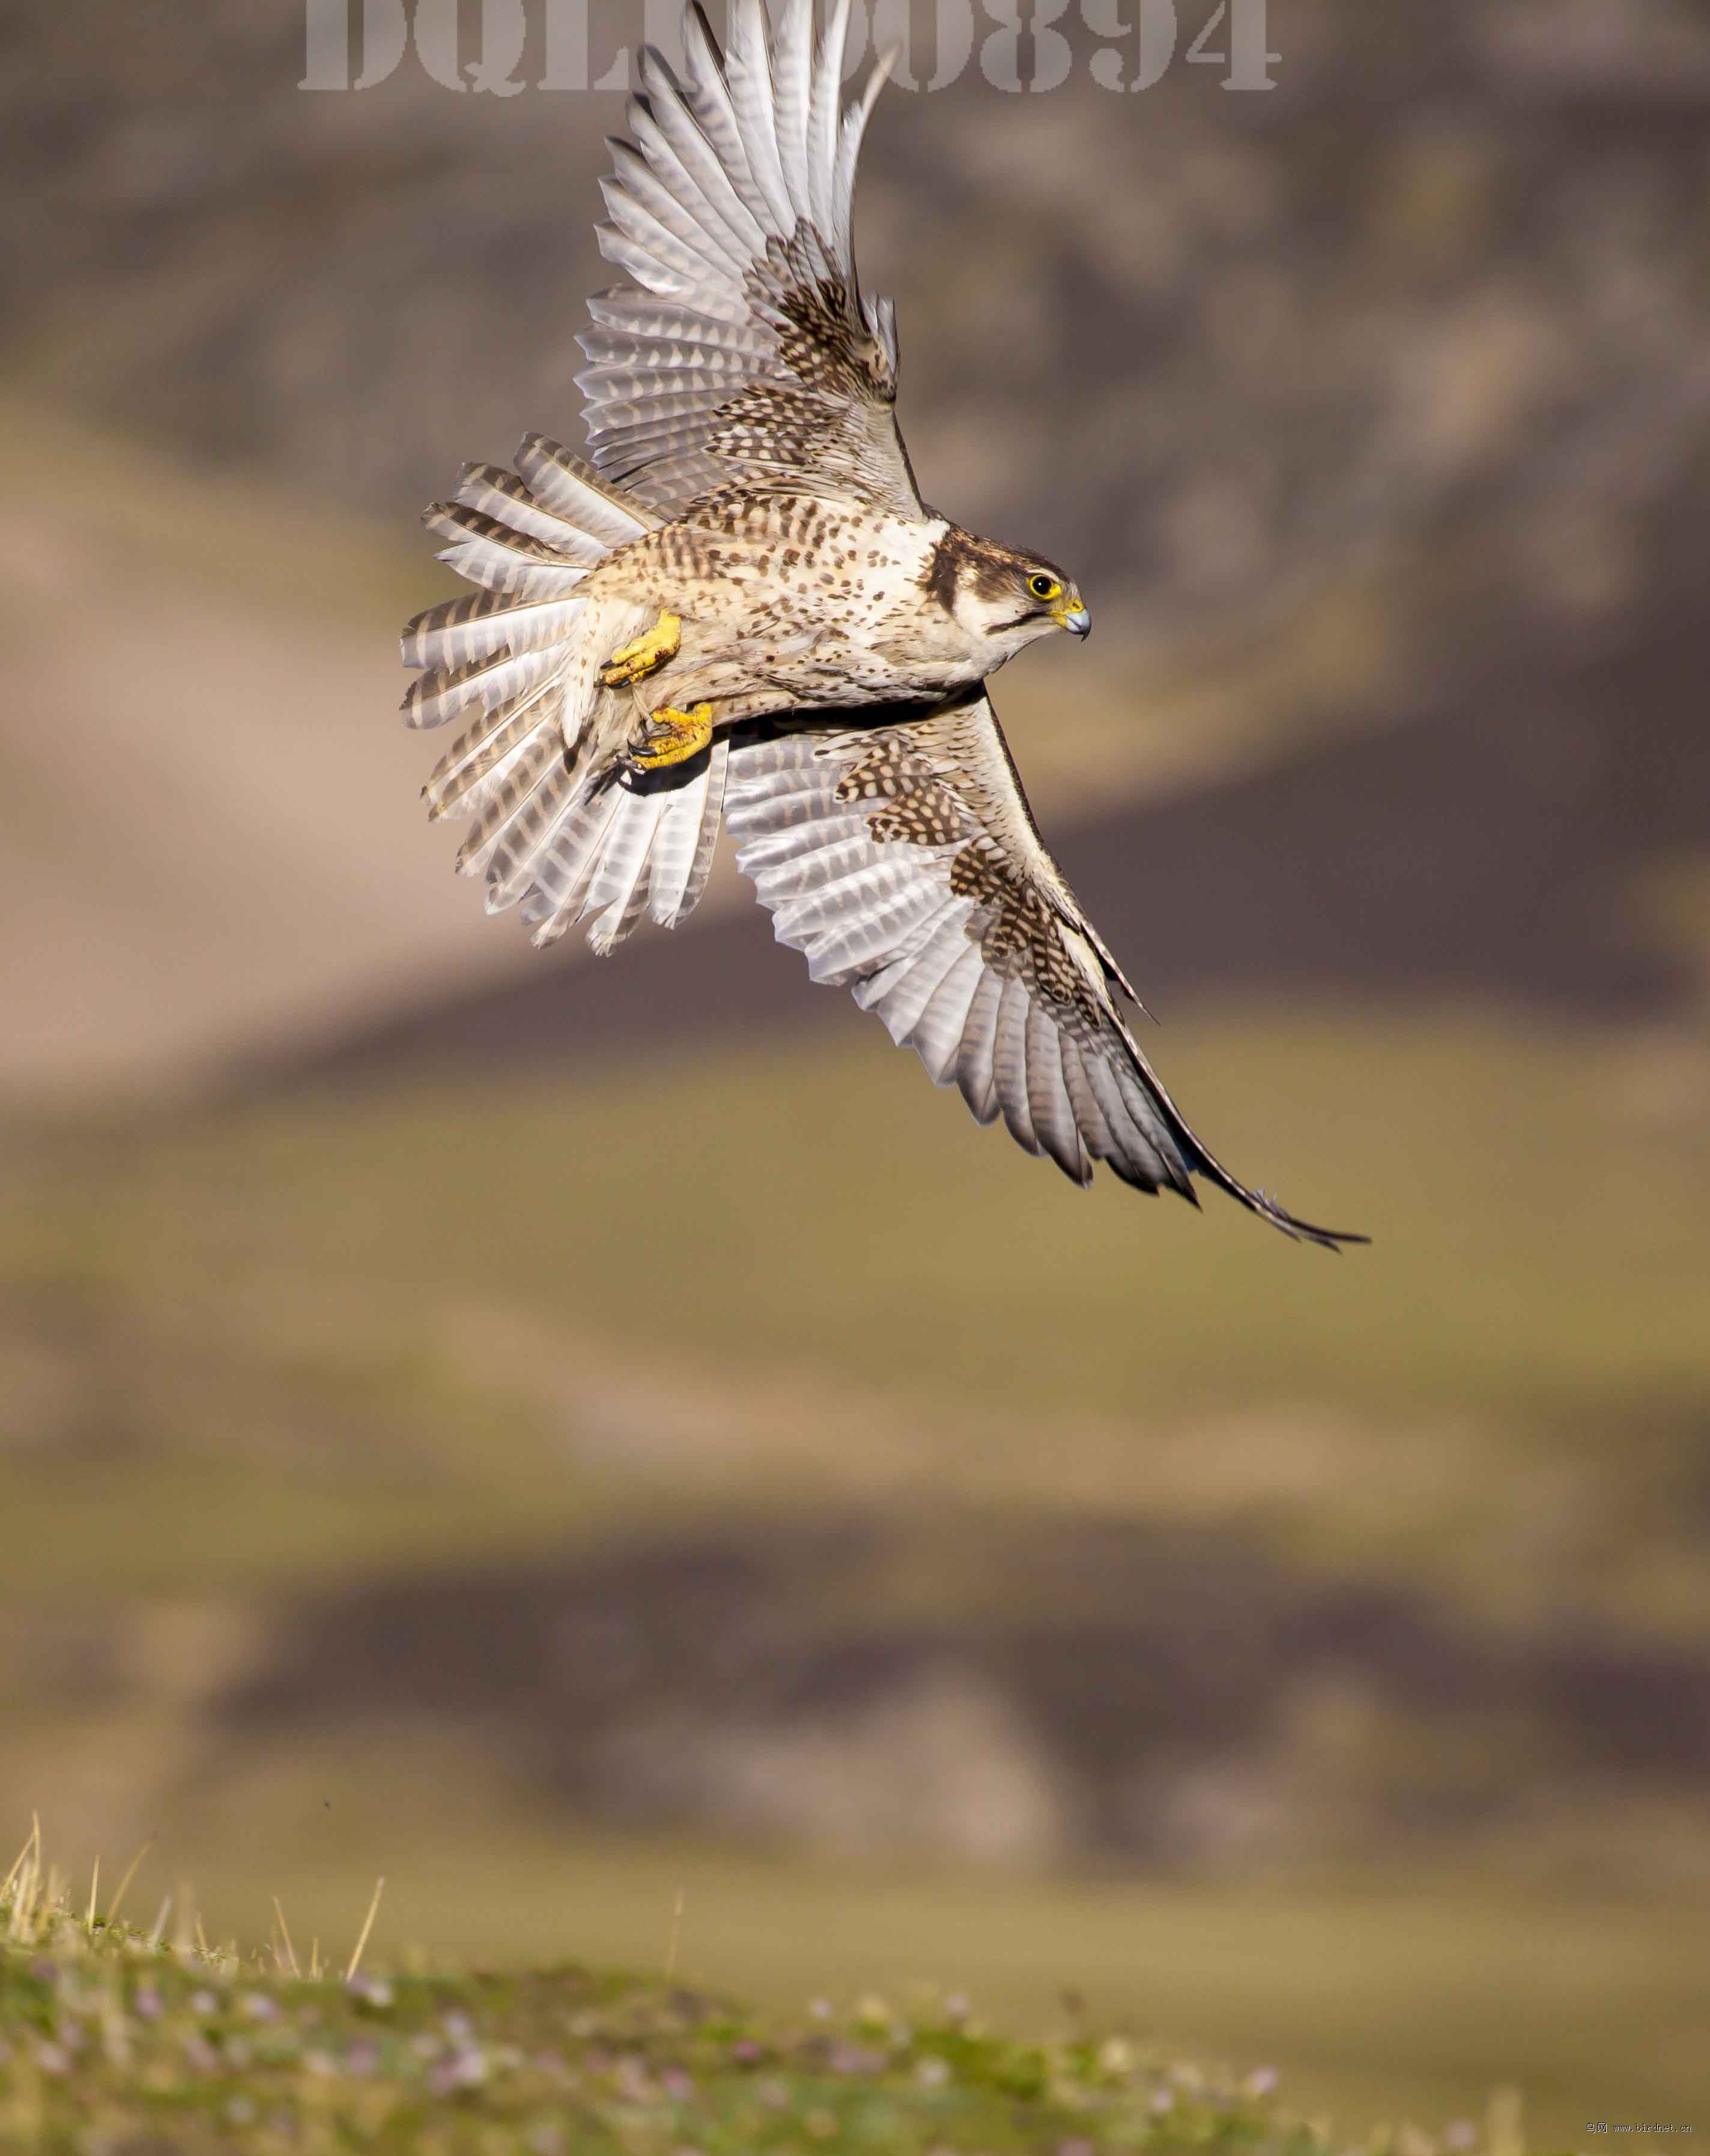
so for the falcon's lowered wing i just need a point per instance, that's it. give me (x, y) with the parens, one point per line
(902, 859)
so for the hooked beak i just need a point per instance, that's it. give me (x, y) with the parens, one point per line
(1076, 619)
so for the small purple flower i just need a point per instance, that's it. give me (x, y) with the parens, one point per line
(203, 2003)
(259, 2007)
(746, 2051)
(51, 2059)
(1262, 2081)
(1461, 2134)
(676, 2084)
(363, 2056)
(459, 2028)
(1163, 2100)
(148, 2003)
(852, 2059)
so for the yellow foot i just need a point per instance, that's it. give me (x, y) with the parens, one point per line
(671, 738)
(644, 653)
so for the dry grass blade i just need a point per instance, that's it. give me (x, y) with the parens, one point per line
(290, 1952)
(368, 1926)
(30, 1841)
(670, 1968)
(129, 1874)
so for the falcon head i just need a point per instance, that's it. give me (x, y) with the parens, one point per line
(1003, 600)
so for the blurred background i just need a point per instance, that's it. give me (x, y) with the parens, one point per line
(461, 1415)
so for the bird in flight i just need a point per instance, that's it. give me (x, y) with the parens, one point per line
(738, 609)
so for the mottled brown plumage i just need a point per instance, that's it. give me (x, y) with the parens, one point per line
(743, 578)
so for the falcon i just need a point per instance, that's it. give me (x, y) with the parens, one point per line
(737, 609)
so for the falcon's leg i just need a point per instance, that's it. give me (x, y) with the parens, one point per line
(670, 736)
(644, 653)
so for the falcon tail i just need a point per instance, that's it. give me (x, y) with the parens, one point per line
(513, 662)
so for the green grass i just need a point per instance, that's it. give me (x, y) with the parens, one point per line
(1377, 2002)
(110, 2038)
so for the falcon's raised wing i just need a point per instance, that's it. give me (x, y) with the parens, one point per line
(743, 349)
(903, 860)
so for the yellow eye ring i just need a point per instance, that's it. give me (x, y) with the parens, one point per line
(1044, 587)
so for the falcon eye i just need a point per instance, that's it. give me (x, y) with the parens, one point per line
(1044, 588)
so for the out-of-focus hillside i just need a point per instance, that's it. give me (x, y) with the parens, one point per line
(198, 850)
(1439, 296)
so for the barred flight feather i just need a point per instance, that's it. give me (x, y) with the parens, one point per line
(711, 818)
(1088, 1116)
(976, 1061)
(673, 147)
(479, 761)
(937, 1034)
(621, 878)
(566, 864)
(499, 556)
(485, 626)
(581, 495)
(511, 859)
(1009, 1066)
(680, 858)
(503, 496)
(434, 698)
(622, 316)
(541, 767)
(748, 71)
(1048, 1100)
(901, 992)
